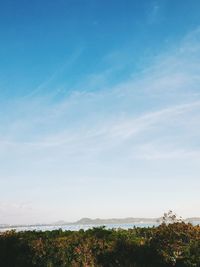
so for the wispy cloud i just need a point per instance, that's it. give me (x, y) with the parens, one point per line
(115, 128)
(154, 11)
(169, 87)
(44, 86)
(151, 117)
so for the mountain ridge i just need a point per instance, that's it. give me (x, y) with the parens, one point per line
(99, 221)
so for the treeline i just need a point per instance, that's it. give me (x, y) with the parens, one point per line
(175, 244)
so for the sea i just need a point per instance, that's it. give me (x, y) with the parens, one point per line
(77, 227)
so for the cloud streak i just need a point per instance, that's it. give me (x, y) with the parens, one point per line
(151, 117)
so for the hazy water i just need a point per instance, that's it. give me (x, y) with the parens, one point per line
(77, 227)
(83, 226)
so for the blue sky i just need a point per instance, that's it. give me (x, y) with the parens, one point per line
(99, 109)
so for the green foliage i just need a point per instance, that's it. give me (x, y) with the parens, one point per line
(170, 244)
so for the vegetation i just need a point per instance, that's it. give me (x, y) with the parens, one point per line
(170, 244)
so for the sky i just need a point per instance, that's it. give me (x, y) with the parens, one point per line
(99, 109)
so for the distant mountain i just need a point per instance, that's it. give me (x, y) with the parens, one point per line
(3, 225)
(192, 219)
(61, 222)
(98, 221)
(117, 220)
(129, 220)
